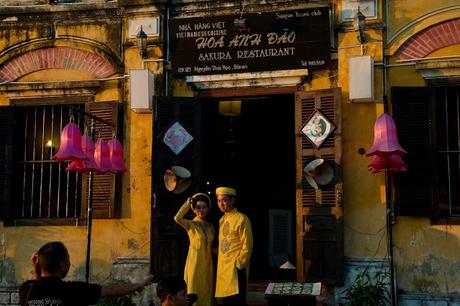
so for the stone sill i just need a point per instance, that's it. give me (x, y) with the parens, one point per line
(249, 79)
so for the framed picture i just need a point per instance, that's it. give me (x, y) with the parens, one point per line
(318, 128)
(176, 137)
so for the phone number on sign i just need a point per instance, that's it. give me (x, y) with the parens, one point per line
(312, 63)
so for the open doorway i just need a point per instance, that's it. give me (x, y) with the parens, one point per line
(255, 153)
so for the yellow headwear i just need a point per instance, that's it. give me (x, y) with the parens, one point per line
(226, 190)
(204, 195)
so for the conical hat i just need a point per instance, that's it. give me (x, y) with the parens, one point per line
(317, 172)
(181, 171)
(182, 185)
(177, 179)
(170, 179)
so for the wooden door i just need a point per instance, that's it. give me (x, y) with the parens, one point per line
(169, 244)
(319, 211)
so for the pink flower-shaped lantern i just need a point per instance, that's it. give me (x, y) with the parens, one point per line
(116, 156)
(70, 148)
(386, 147)
(385, 138)
(87, 165)
(394, 163)
(102, 156)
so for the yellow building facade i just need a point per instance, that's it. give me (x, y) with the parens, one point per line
(83, 53)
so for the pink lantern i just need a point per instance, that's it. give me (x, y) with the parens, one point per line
(70, 148)
(88, 148)
(102, 156)
(393, 163)
(73, 166)
(85, 165)
(116, 156)
(385, 138)
(386, 147)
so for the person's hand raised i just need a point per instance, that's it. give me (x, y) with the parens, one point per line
(36, 265)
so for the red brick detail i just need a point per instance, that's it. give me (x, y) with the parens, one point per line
(433, 38)
(55, 58)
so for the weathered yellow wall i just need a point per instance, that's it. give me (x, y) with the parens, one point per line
(128, 236)
(402, 12)
(427, 256)
(364, 193)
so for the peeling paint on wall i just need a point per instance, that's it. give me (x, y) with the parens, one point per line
(7, 272)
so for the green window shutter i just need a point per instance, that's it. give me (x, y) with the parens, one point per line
(319, 212)
(415, 190)
(106, 197)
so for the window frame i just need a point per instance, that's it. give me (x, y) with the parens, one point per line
(114, 211)
(404, 103)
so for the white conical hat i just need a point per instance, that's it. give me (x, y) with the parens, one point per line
(177, 179)
(317, 172)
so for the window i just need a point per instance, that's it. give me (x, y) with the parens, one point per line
(428, 123)
(41, 186)
(37, 189)
(447, 101)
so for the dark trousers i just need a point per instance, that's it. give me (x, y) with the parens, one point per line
(240, 298)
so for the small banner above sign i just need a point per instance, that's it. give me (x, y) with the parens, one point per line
(294, 39)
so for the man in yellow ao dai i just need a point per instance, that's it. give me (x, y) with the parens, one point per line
(198, 273)
(235, 248)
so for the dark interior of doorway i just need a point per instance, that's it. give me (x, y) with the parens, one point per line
(255, 153)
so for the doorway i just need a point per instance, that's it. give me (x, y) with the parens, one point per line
(254, 152)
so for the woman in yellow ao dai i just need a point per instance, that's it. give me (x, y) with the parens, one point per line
(198, 273)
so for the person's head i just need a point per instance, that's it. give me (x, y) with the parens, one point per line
(172, 291)
(54, 259)
(226, 199)
(201, 204)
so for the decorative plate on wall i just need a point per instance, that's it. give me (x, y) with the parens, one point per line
(318, 128)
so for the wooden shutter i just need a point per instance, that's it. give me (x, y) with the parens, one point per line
(169, 241)
(106, 187)
(280, 237)
(319, 212)
(413, 112)
(6, 140)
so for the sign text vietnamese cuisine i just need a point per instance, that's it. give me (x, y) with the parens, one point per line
(294, 39)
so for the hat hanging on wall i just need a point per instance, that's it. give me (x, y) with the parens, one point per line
(317, 172)
(177, 179)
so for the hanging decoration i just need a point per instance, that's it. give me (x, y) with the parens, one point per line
(177, 179)
(318, 128)
(70, 148)
(393, 163)
(177, 137)
(386, 147)
(318, 173)
(116, 156)
(88, 164)
(102, 156)
(85, 156)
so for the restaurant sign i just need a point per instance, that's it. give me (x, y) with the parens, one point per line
(293, 39)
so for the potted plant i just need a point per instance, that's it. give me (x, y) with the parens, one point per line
(368, 290)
